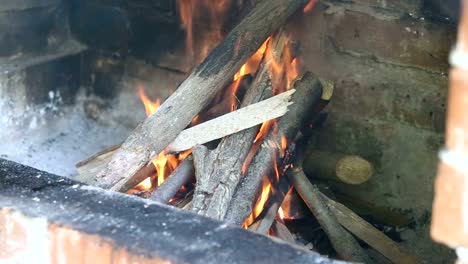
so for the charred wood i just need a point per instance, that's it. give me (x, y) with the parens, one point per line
(309, 90)
(180, 176)
(223, 168)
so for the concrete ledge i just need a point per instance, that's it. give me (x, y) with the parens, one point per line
(74, 222)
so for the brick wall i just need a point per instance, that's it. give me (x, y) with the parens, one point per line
(388, 60)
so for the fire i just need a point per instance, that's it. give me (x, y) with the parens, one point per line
(150, 107)
(164, 164)
(284, 71)
(202, 12)
(251, 66)
(266, 189)
(281, 213)
(284, 145)
(310, 6)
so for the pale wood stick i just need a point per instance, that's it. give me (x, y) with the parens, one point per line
(233, 122)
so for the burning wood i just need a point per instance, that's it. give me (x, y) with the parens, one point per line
(219, 173)
(220, 127)
(180, 176)
(308, 93)
(160, 129)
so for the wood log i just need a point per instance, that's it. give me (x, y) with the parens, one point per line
(222, 126)
(223, 169)
(309, 90)
(343, 242)
(215, 72)
(369, 234)
(350, 169)
(180, 176)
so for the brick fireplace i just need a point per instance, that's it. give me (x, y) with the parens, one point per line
(69, 77)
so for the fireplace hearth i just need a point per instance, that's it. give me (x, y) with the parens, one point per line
(313, 124)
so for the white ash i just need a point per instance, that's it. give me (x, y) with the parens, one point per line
(53, 137)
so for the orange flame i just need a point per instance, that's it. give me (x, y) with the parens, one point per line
(310, 6)
(150, 107)
(283, 72)
(202, 12)
(266, 189)
(251, 66)
(163, 163)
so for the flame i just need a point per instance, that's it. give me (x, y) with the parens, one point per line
(266, 189)
(284, 145)
(310, 6)
(150, 106)
(202, 12)
(144, 185)
(281, 213)
(283, 72)
(164, 164)
(250, 67)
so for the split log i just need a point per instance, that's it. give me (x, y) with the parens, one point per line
(369, 234)
(309, 90)
(343, 242)
(350, 169)
(228, 124)
(219, 176)
(180, 176)
(222, 126)
(214, 73)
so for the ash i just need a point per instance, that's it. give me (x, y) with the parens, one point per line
(54, 137)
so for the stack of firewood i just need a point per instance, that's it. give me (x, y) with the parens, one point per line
(229, 177)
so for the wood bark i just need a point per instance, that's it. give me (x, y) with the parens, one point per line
(223, 168)
(180, 176)
(343, 242)
(309, 90)
(215, 72)
(350, 169)
(368, 233)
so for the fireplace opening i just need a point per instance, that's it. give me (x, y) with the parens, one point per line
(316, 123)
